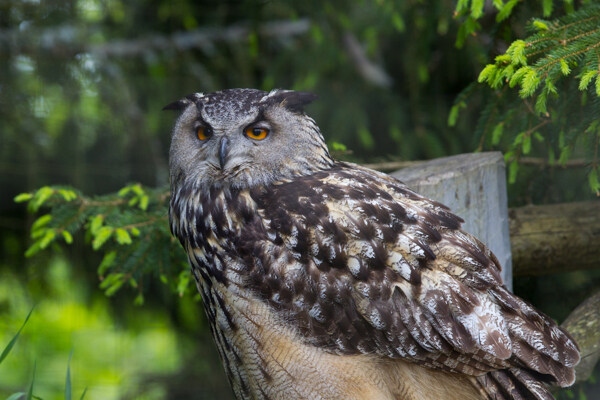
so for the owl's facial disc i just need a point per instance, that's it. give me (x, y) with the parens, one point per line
(240, 138)
(235, 146)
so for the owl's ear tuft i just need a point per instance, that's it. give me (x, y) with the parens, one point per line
(292, 100)
(177, 105)
(182, 104)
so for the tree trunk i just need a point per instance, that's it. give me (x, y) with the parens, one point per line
(584, 325)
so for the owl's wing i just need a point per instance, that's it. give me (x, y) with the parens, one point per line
(359, 263)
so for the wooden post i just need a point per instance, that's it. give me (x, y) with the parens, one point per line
(474, 187)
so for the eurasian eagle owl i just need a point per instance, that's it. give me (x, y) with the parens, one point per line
(326, 280)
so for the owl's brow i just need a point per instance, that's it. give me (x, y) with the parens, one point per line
(200, 106)
(259, 117)
(198, 102)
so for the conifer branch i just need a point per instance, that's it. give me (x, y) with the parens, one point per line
(595, 162)
(542, 162)
(555, 66)
(483, 136)
(549, 64)
(130, 227)
(561, 42)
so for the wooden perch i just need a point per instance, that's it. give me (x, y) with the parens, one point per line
(387, 166)
(555, 238)
(584, 325)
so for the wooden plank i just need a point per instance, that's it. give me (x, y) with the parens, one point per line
(474, 187)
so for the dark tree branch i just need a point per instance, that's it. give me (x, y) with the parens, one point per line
(370, 71)
(68, 40)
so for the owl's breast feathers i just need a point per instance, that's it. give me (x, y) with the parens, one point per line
(357, 263)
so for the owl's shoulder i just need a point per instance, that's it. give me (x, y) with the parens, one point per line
(348, 206)
(351, 185)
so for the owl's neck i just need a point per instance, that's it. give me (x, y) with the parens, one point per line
(199, 216)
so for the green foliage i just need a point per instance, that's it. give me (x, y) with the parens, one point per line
(111, 223)
(550, 54)
(12, 342)
(29, 394)
(114, 355)
(68, 388)
(505, 10)
(453, 115)
(553, 68)
(68, 385)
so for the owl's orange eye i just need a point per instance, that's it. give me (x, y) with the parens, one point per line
(256, 133)
(204, 132)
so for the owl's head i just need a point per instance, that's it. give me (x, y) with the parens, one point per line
(239, 138)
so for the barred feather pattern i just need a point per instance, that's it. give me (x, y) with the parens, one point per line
(355, 263)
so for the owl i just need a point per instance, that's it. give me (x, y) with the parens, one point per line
(326, 280)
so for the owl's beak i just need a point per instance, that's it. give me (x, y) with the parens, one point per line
(223, 150)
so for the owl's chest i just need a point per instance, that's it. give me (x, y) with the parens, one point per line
(213, 228)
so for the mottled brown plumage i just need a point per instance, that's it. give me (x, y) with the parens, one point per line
(323, 279)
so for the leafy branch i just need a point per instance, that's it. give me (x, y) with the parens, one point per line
(110, 223)
(556, 66)
(472, 10)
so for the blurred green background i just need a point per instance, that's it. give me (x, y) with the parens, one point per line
(82, 84)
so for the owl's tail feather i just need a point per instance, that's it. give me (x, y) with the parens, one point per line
(513, 384)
